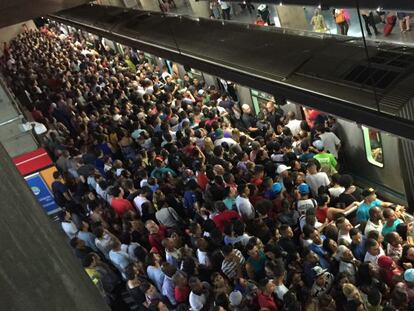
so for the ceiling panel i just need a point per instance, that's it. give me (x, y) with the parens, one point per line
(15, 11)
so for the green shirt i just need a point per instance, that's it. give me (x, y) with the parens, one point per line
(327, 161)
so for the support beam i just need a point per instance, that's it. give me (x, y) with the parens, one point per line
(38, 270)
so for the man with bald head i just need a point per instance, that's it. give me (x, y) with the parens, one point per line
(274, 114)
(249, 120)
(374, 222)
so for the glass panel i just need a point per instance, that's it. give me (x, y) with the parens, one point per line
(373, 146)
(260, 99)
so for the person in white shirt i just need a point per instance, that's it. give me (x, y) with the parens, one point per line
(202, 254)
(314, 178)
(330, 141)
(344, 226)
(199, 293)
(374, 251)
(68, 226)
(374, 222)
(293, 124)
(141, 199)
(244, 207)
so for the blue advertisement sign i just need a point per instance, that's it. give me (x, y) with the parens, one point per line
(42, 193)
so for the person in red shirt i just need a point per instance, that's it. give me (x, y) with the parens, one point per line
(202, 179)
(224, 215)
(181, 289)
(157, 233)
(265, 297)
(258, 176)
(118, 203)
(259, 21)
(389, 271)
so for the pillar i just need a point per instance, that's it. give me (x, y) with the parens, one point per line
(200, 8)
(293, 17)
(150, 5)
(38, 269)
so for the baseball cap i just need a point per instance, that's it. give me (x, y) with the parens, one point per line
(277, 187)
(235, 298)
(281, 168)
(409, 275)
(318, 144)
(303, 188)
(367, 192)
(159, 158)
(200, 92)
(317, 271)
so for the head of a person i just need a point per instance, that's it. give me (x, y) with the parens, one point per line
(389, 214)
(375, 214)
(343, 224)
(346, 181)
(310, 256)
(152, 227)
(243, 190)
(355, 235)
(319, 275)
(316, 237)
(158, 305)
(323, 200)
(267, 286)
(270, 106)
(386, 263)
(373, 247)
(246, 108)
(286, 231)
(394, 238)
(195, 285)
(369, 195)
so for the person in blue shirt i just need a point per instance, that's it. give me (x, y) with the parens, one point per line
(358, 244)
(317, 248)
(370, 200)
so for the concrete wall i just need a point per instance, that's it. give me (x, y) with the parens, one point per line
(10, 32)
(38, 269)
(292, 17)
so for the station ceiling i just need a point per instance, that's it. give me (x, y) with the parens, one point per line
(16, 11)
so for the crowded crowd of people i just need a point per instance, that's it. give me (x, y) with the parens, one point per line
(182, 197)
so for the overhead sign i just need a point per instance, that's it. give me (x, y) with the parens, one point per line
(32, 161)
(42, 193)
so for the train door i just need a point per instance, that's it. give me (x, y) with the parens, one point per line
(259, 100)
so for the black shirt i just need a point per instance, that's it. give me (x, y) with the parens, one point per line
(248, 120)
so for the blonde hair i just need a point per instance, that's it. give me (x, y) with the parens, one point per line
(208, 145)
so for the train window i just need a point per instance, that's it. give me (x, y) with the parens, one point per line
(373, 146)
(196, 74)
(260, 99)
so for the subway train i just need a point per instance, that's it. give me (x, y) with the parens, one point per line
(343, 86)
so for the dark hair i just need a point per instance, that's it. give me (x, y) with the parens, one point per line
(87, 261)
(346, 181)
(322, 199)
(353, 231)
(374, 296)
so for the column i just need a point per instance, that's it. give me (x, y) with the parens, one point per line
(292, 17)
(150, 5)
(38, 269)
(200, 8)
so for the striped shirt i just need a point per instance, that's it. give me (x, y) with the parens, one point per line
(230, 266)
